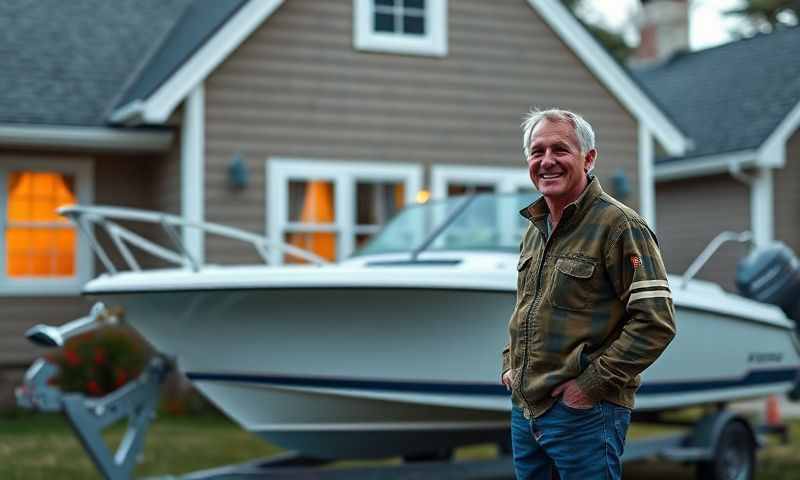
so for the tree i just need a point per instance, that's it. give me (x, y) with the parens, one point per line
(611, 40)
(766, 15)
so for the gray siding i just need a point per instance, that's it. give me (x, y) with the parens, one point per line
(297, 88)
(787, 196)
(689, 213)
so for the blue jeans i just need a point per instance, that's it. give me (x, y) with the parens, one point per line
(577, 444)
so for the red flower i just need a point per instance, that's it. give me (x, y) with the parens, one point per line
(99, 356)
(120, 377)
(94, 388)
(71, 357)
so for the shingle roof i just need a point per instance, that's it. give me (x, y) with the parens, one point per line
(731, 97)
(66, 62)
(200, 21)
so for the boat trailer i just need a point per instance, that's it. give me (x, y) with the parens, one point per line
(722, 443)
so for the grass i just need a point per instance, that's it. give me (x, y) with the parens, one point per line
(41, 446)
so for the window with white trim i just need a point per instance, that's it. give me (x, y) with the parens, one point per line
(330, 208)
(42, 251)
(450, 180)
(416, 27)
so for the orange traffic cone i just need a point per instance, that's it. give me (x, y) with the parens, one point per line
(773, 412)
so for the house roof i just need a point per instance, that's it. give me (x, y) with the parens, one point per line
(732, 97)
(201, 19)
(65, 63)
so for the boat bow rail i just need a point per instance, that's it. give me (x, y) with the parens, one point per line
(85, 217)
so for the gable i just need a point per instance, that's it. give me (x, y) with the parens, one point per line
(555, 14)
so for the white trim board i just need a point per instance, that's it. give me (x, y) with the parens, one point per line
(100, 138)
(612, 75)
(83, 170)
(708, 165)
(773, 150)
(159, 106)
(505, 179)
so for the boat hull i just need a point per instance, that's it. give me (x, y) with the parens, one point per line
(367, 372)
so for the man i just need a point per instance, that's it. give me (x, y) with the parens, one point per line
(593, 311)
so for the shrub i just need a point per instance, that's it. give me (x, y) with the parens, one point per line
(99, 362)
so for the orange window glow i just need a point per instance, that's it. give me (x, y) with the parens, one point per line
(317, 208)
(39, 243)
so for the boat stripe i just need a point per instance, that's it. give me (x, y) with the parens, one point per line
(753, 378)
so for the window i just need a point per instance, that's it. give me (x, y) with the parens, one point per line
(417, 27)
(42, 253)
(447, 181)
(330, 208)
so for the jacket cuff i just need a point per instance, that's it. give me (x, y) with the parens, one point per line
(592, 384)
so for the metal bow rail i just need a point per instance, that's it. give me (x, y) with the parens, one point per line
(85, 217)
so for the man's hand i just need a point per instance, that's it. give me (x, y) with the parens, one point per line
(573, 395)
(506, 379)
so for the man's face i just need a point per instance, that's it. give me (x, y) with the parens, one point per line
(555, 164)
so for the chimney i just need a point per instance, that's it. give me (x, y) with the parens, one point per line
(663, 30)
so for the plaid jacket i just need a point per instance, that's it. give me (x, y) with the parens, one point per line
(592, 304)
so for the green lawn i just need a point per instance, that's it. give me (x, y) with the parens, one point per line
(40, 446)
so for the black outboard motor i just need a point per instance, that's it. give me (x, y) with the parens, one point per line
(771, 275)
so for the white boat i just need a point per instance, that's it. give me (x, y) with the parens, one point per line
(396, 351)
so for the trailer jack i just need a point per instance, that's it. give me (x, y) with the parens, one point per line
(88, 417)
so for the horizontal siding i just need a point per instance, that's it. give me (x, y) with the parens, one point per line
(690, 213)
(297, 88)
(21, 313)
(787, 196)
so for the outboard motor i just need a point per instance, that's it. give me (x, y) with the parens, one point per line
(771, 275)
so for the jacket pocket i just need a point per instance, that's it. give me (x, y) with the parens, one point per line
(572, 284)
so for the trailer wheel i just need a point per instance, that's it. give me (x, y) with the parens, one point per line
(734, 456)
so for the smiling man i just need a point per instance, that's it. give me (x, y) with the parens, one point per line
(593, 311)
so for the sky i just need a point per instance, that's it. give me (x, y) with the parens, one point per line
(707, 25)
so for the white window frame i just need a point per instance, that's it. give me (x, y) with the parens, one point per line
(504, 179)
(433, 43)
(343, 175)
(83, 172)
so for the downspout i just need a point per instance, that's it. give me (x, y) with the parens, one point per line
(192, 171)
(647, 179)
(761, 201)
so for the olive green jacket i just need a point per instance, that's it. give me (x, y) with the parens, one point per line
(593, 303)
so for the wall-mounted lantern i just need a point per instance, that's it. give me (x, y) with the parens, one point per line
(238, 175)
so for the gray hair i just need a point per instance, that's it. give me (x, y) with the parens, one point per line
(582, 128)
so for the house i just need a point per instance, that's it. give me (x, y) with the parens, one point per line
(740, 104)
(241, 111)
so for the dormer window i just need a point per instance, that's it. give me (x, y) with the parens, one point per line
(416, 27)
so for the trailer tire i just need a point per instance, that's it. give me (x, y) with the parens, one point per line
(734, 455)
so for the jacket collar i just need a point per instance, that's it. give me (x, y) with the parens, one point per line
(537, 211)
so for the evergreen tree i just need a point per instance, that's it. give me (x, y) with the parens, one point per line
(611, 40)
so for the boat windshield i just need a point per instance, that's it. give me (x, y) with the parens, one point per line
(485, 222)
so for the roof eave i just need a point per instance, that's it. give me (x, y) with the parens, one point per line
(84, 137)
(706, 165)
(613, 76)
(157, 107)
